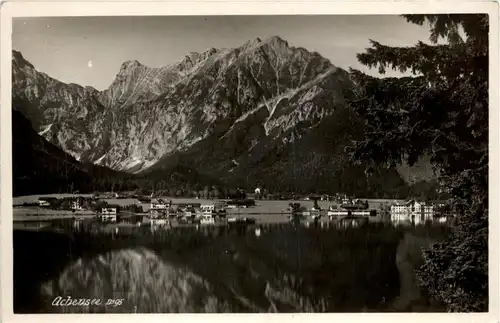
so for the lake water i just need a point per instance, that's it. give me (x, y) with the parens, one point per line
(285, 268)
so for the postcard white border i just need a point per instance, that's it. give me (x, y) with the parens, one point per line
(149, 8)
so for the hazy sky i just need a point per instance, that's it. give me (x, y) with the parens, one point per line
(63, 47)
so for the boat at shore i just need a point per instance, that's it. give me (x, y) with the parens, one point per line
(351, 210)
(240, 221)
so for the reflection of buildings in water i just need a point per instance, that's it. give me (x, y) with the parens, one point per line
(108, 214)
(159, 223)
(443, 219)
(77, 224)
(409, 222)
(401, 222)
(316, 224)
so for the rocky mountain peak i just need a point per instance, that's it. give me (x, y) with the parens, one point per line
(252, 43)
(17, 55)
(19, 60)
(209, 52)
(272, 41)
(131, 64)
(189, 60)
(148, 113)
(276, 41)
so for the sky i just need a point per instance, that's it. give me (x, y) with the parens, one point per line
(90, 50)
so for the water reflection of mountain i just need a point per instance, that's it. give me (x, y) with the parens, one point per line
(287, 270)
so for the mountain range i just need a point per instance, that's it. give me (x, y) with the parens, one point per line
(264, 114)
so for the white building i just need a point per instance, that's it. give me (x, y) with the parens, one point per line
(412, 211)
(346, 200)
(76, 205)
(159, 205)
(207, 208)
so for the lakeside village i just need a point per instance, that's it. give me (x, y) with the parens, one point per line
(343, 210)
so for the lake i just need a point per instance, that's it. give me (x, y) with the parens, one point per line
(213, 269)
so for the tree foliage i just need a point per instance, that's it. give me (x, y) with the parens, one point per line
(442, 112)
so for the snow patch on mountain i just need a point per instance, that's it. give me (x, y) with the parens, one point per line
(100, 160)
(130, 163)
(45, 130)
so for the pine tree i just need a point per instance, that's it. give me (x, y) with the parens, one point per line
(441, 113)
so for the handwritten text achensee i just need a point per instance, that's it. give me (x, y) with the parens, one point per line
(69, 301)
